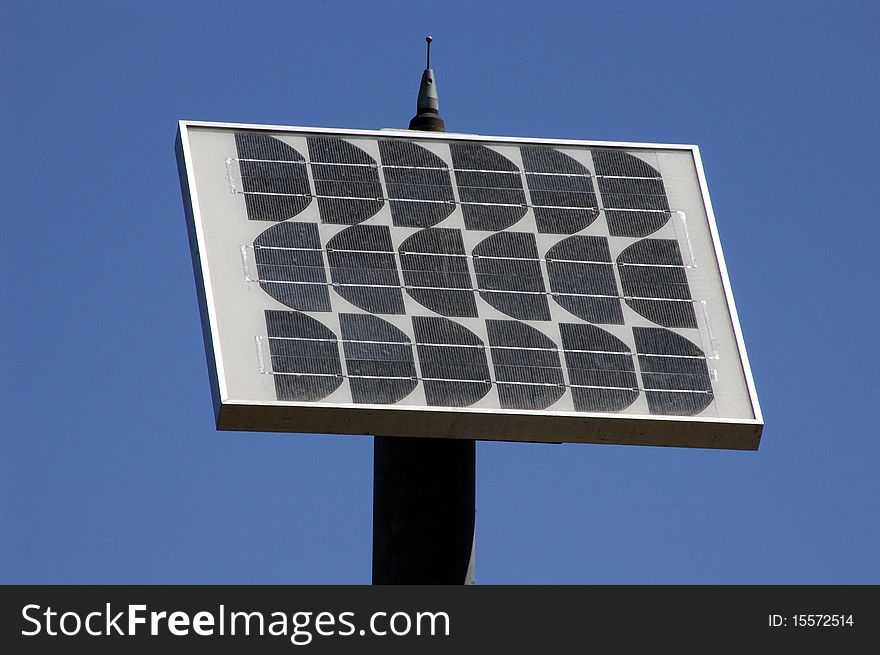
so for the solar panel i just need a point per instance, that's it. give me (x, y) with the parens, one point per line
(420, 284)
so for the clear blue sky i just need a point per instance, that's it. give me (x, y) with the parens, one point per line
(110, 468)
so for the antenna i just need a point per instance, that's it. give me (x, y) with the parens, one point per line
(427, 116)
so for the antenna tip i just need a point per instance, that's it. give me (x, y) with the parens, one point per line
(429, 38)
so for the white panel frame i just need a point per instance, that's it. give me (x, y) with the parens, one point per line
(464, 423)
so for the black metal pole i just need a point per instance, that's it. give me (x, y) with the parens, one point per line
(424, 490)
(423, 510)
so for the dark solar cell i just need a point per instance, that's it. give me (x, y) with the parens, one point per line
(633, 194)
(509, 275)
(364, 270)
(305, 356)
(561, 189)
(527, 368)
(652, 270)
(674, 372)
(379, 359)
(489, 187)
(290, 266)
(455, 372)
(440, 280)
(346, 181)
(273, 177)
(418, 183)
(582, 279)
(600, 369)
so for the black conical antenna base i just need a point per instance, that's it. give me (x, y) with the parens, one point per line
(427, 116)
(427, 122)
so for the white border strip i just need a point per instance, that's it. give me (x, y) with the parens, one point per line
(725, 283)
(437, 136)
(659, 418)
(183, 128)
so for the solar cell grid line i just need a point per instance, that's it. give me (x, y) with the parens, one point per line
(514, 298)
(375, 285)
(438, 168)
(556, 259)
(359, 192)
